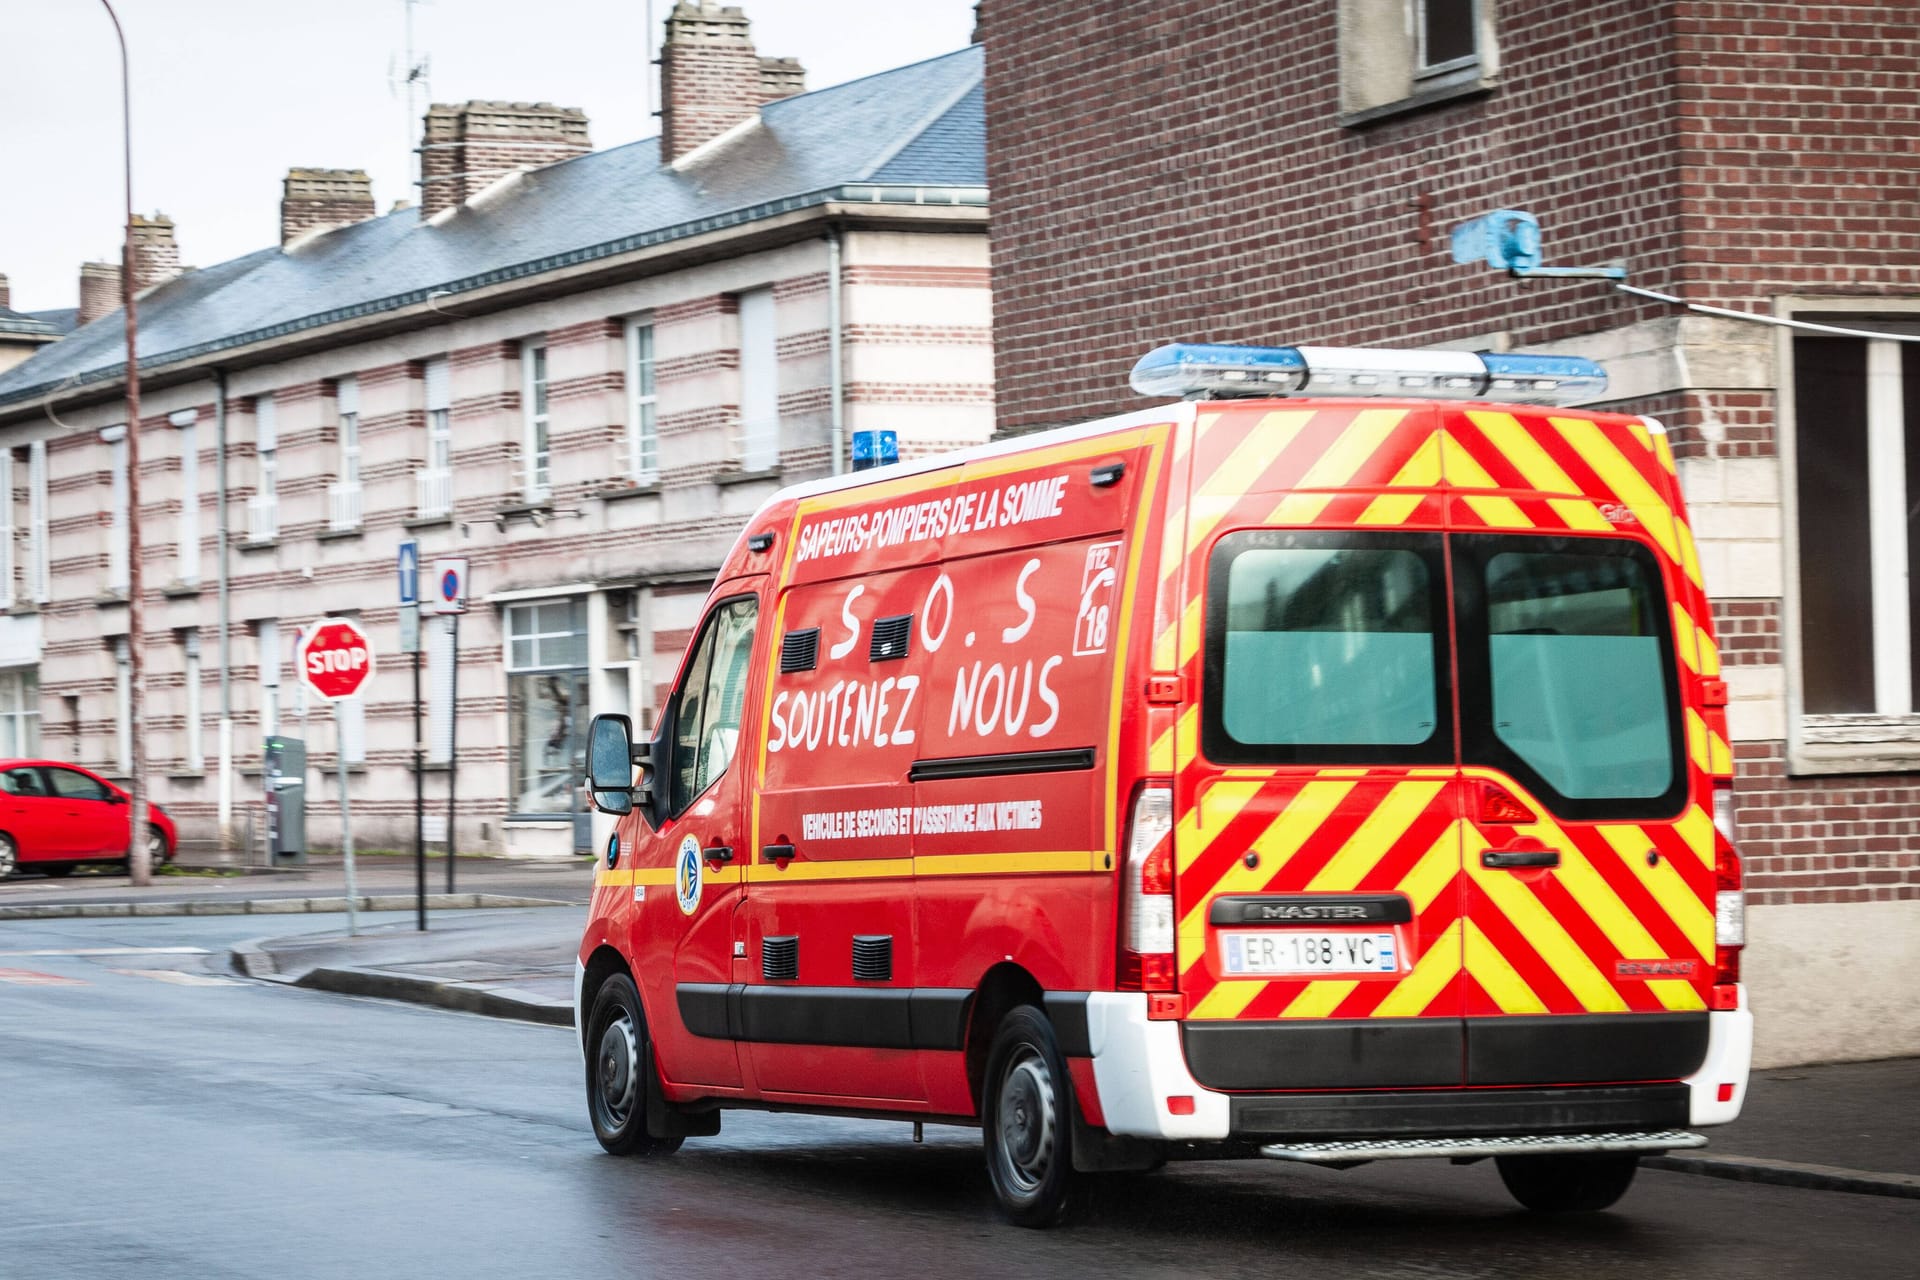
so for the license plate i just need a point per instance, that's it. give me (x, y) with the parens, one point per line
(1290, 951)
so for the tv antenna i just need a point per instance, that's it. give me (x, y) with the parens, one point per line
(408, 80)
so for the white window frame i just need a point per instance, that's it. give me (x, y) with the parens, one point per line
(511, 620)
(8, 593)
(1422, 69)
(266, 637)
(435, 485)
(20, 709)
(347, 406)
(189, 533)
(122, 705)
(196, 756)
(536, 441)
(266, 482)
(39, 555)
(759, 381)
(118, 576)
(643, 433)
(1888, 738)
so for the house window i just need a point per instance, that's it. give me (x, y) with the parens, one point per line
(186, 421)
(116, 440)
(7, 595)
(535, 450)
(435, 496)
(1449, 35)
(1857, 467)
(122, 705)
(643, 441)
(759, 383)
(195, 757)
(39, 563)
(344, 495)
(547, 710)
(20, 712)
(266, 638)
(263, 509)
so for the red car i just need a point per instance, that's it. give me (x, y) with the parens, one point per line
(55, 816)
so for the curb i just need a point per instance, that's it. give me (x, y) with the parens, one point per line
(270, 906)
(251, 959)
(1787, 1173)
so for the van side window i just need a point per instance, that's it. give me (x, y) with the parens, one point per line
(707, 722)
(1326, 648)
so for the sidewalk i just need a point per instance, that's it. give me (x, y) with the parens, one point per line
(1844, 1127)
(388, 881)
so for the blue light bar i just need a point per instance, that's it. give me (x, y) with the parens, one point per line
(1215, 371)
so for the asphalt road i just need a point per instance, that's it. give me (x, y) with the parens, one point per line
(159, 1119)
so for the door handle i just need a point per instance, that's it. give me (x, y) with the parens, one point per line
(719, 853)
(1520, 858)
(776, 852)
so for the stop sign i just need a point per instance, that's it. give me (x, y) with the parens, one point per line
(334, 658)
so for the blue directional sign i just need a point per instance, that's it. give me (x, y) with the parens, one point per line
(409, 572)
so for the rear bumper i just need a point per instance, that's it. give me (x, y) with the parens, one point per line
(1140, 1064)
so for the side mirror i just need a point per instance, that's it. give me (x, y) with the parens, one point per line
(610, 764)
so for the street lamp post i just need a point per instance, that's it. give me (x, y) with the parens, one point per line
(139, 866)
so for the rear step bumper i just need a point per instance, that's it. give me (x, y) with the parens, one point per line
(1141, 1073)
(1532, 1144)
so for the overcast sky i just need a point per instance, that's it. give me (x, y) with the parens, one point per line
(229, 94)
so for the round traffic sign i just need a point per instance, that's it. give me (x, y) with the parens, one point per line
(335, 658)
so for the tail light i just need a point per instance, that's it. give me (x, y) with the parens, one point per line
(1729, 903)
(1146, 953)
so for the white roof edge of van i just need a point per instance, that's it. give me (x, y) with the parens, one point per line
(1653, 424)
(1179, 412)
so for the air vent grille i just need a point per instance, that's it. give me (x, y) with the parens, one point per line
(873, 957)
(780, 959)
(890, 638)
(800, 650)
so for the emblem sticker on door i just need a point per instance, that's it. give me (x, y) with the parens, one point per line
(686, 875)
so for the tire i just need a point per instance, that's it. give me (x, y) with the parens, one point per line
(9, 856)
(620, 1072)
(1027, 1122)
(157, 851)
(1568, 1183)
(57, 870)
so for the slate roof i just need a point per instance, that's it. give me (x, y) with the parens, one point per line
(25, 322)
(915, 134)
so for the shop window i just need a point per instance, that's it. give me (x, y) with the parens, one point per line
(547, 711)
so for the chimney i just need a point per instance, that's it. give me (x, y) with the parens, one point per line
(6, 294)
(322, 199)
(157, 257)
(99, 291)
(470, 146)
(711, 78)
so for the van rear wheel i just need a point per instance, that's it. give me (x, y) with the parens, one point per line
(1027, 1121)
(620, 1072)
(1568, 1183)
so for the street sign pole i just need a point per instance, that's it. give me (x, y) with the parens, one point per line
(335, 661)
(346, 816)
(450, 600)
(409, 568)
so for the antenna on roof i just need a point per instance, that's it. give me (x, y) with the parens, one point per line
(409, 80)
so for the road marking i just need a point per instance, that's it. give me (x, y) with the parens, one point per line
(28, 978)
(113, 951)
(179, 978)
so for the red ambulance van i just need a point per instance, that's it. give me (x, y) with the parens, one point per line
(1331, 766)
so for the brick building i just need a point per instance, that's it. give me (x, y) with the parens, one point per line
(580, 369)
(1288, 171)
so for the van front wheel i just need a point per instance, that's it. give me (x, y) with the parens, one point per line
(620, 1072)
(1027, 1121)
(1567, 1183)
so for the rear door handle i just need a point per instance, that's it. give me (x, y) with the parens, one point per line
(776, 852)
(1520, 858)
(719, 853)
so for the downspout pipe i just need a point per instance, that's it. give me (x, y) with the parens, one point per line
(225, 790)
(836, 397)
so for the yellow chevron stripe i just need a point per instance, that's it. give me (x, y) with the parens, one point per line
(1320, 998)
(1190, 631)
(1299, 508)
(1686, 637)
(1227, 999)
(1435, 872)
(1360, 441)
(1391, 509)
(1695, 827)
(1421, 471)
(1664, 450)
(1595, 896)
(1217, 806)
(1709, 653)
(1697, 739)
(1676, 994)
(1689, 553)
(1548, 937)
(1623, 478)
(1375, 837)
(1496, 976)
(1719, 756)
(1245, 464)
(1309, 809)
(1579, 513)
(1682, 905)
(1429, 977)
(1499, 513)
(1462, 469)
(1504, 432)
